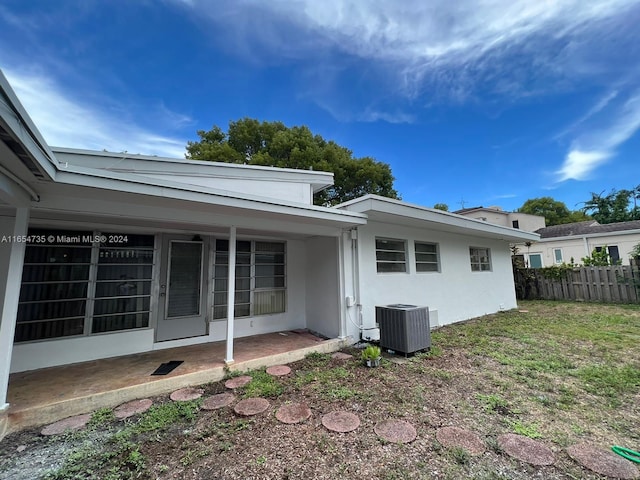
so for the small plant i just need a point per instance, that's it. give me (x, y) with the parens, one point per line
(262, 385)
(371, 356)
(459, 455)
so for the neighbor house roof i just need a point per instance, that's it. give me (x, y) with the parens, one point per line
(589, 227)
(393, 211)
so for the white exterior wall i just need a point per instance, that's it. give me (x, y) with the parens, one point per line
(526, 222)
(323, 282)
(49, 353)
(453, 294)
(287, 191)
(493, 217)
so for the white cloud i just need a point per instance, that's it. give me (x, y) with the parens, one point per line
(578, 164)
(395, 117)
(597, 145)
(444, 46)
(67, 122)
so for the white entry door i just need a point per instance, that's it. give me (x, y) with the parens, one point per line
(182, 305)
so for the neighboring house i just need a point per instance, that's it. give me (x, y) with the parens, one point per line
(106, 254)
(573, 241)
(497, 216)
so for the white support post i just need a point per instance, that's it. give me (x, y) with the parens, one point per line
(11, 295)
(231, 294)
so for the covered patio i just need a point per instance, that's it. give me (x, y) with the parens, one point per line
(46, 395)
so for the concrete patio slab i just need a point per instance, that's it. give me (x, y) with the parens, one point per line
(44, 396)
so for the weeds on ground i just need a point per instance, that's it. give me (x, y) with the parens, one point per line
(262, 385)
(527, 429)
(119, 457)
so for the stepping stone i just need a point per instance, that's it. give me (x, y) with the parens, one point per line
(218, 401)
(396, 431)
(129, 409)
(251, 406)
(452, 437)
(279, 370)
(293, 413)
(71, 423)
(341, 356)
(237, 382)
(526, 449)
(603, 462)
(341, 421)
(186, 394)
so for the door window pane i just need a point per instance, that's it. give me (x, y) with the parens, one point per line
(185, 272)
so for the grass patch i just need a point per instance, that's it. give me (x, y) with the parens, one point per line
(317, 359)
(609, 381)
(321, 375)
(493, 403)
(262, 385)
(101, 417)
(340, 393)
(459, 455)
(159, 417)
(527, 429)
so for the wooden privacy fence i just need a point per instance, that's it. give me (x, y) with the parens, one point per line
(616, 284)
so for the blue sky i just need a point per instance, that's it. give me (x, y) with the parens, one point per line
(483, 102)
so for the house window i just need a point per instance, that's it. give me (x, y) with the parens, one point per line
(427, 257)
(613, 252)
(391, 255)
(480, 259)
(73, 286)
(557, 255)
(260, 286)
(515, 224)
(535, 260)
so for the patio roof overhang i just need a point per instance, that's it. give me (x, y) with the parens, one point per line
(94, 197)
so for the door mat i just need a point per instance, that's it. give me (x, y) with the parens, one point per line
(168, 367)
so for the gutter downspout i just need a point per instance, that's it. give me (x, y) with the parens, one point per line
(585, 240)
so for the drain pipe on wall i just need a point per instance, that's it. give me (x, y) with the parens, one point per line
(355, 266)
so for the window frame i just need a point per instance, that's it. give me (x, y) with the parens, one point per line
(537, 254)
(244, 308)
(97, 244)
(385, 262)
(477, 266)
(557, 261)
(424, 262)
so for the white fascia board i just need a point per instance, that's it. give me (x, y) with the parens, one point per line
(402, 210)
(153, 187)
(16, 118)
(134, 163)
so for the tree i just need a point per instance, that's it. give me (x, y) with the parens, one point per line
(274, 144)
(441, 206)
(554, 211)
(614, 207)
(600, 258)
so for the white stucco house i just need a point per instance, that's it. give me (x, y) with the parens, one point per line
(105, 254)
(498, 216)
(572, 242)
